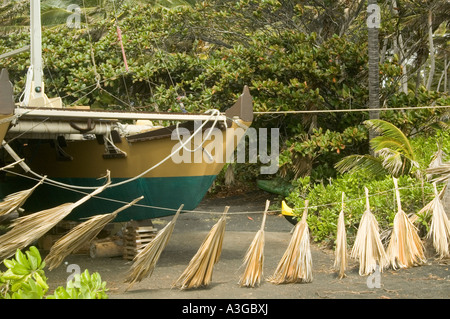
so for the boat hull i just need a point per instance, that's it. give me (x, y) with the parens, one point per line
(5, 121)
(162, 196)
(146, 170)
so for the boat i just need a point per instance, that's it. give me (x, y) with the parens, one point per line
(6, 103)
(73, 148)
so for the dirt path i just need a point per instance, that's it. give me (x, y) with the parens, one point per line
(430, 281)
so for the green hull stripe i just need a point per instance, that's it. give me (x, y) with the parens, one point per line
(165, 192)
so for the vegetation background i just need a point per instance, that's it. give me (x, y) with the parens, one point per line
(295, 55)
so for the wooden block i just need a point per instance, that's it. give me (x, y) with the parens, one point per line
(46, 242)
(104, 248)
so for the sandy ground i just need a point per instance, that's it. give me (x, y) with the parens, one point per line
(430, 281)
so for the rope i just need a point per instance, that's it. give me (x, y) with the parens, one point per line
(219, 212)
(204, 140)
(414, 108)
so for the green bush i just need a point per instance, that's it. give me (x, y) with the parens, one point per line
(325, 202)
(25, 279)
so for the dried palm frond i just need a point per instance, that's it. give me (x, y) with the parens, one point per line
(16, 200)
(81, 235)
(145, 261)
(438, 168)
(368, 248)
(229, 175)
(340, 253)
(405, 247)
(428, 208)
(26, 229)
(440, 226)
(254, 258)
(296, 263)
(11, 165)
(442, 172)
(199, 271)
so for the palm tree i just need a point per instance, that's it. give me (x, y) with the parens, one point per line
(374, 73)
(393, 153)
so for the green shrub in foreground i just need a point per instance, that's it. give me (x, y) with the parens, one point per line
(25, 279)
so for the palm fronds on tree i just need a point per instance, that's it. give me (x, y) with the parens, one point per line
(340, 253)
(368, 248)
(26, 229)
(393, 153)
(16, 200)
(254, 258)
(199, 271)
(405, 247)
(80, 235)
(440, 225)
(145, 261)
(296, 263)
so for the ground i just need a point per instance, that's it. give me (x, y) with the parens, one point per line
(429, 281)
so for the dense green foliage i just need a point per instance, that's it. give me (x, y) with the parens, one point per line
(294, 56)
(325, 198)
(25, 279)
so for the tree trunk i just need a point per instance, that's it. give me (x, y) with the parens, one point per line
(431, 49)
(373, 52)
(398, 43)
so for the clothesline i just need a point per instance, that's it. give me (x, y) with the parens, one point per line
(415, 108)
(337, 203)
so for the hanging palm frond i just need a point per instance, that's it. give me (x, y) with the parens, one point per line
(296, 263)
(340, 253)
(27, 229)
(199, 271)
(440, 225)
(441, 172)
(11, 165)
(254, 258)
(81, 235)
(14, 201)
(368, 248)
(428, 208)
(145, 261)
(405, 247)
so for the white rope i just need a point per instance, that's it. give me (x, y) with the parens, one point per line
(414, 108)
(200, 146)
(347, 200)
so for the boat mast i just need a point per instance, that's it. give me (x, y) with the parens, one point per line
(34, 94)
(36, 47)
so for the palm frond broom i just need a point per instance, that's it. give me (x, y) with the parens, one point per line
(145, 261)
(80, 235)
(14, 201)
(440, 225)
(254, 258)
(200, 269)
(26, 229)
(368, 248)
(296, 263)
(340, 253)
(405, 247)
